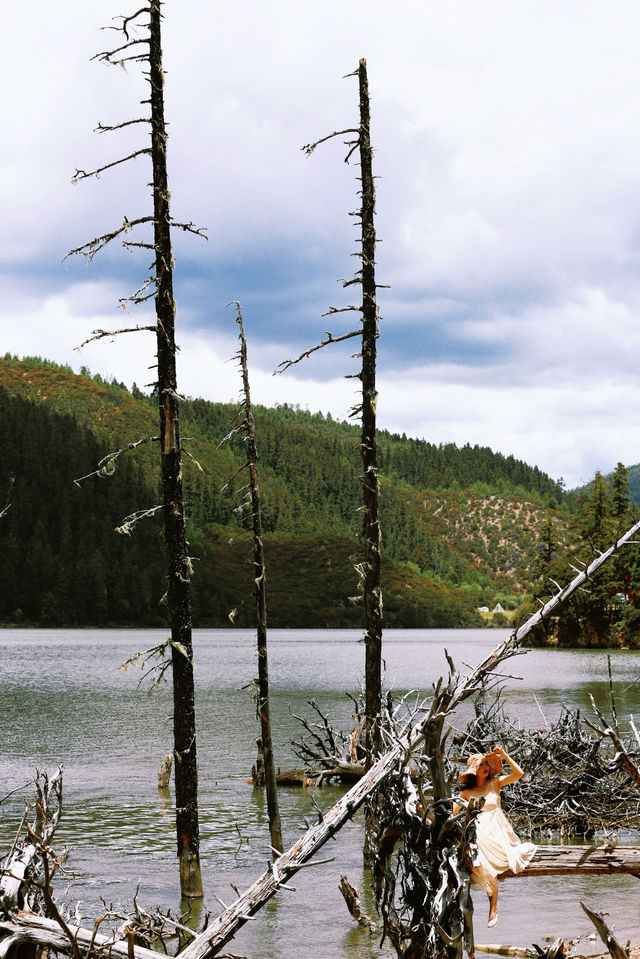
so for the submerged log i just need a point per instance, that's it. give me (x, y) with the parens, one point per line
(351, 896)
(164, 773)
(574, 860)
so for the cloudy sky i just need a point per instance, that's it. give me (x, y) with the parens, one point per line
(508, 157)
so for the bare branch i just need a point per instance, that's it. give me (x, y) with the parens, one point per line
(622, 758)
(189, 228)
(308, 148)
(330, 339)
(106, 466)
(130, 521)
(83, 175)
(130, 244)
(98, 243)
(191, 457)
(140, 296)
(101, 334)
(124, 26)
(343, 309)
(119, 126)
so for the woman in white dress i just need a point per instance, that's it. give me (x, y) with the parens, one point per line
(499, 848)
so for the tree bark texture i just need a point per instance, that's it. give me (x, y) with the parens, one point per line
(370, 482)
(178, 595)
(583, 860)
(259, 576)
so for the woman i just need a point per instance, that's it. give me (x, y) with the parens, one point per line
(499, 848)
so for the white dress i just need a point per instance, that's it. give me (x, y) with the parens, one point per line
(499, 848)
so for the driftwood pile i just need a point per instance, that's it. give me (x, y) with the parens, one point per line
(330, 755)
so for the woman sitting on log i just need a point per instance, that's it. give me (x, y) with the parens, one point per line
(499, 849)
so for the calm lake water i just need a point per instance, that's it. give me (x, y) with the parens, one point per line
(65, 700)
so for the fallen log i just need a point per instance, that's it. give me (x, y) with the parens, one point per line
(520, 952)
(576, 860)
(300, 776)
(28, 927)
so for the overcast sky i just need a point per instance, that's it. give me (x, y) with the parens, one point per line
(508, 155)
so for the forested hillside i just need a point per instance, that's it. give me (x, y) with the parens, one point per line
(459, 524)
(608, 612)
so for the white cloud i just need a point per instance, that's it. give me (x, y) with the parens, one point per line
(509, 206)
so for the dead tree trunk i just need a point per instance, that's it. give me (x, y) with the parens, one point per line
(148, 50)
(259, 576)
(178, 594)
(369, 568)
(370, 482)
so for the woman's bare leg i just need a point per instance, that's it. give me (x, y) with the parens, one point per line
(493, 901)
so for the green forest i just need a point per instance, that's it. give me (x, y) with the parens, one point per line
(463, 527)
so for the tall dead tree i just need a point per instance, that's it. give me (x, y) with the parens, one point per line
(259, 575)
(147, 50)
(369, 568)
(370, 482)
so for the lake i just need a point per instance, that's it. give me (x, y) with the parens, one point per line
(66, 700)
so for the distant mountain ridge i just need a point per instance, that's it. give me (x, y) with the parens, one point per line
(459, 524)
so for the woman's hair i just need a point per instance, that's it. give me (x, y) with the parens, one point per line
(468, 780)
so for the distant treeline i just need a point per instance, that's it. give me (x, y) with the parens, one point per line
(63, 564)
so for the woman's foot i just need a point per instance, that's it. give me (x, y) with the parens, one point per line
(492, 920)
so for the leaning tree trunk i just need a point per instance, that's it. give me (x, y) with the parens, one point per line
(370, 483)
(259, 576)
(178, 594)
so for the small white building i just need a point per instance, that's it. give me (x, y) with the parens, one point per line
(483, 609)
(497, 609)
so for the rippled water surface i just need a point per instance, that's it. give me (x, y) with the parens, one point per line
(65, 700)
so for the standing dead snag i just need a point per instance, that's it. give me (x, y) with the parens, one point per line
(370, 482)
(259, 575)
(369, 568)
(179, 567)
(147, 49)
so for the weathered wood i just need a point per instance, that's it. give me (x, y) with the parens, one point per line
(587, 860)
(185, 775)
(259, 576)
(164, 773)
(25, 853)
(29, 927)
(371, 533)
(351, 896)
(615, 949)
(520, 952)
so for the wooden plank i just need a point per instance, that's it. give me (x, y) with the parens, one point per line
(573, 860)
